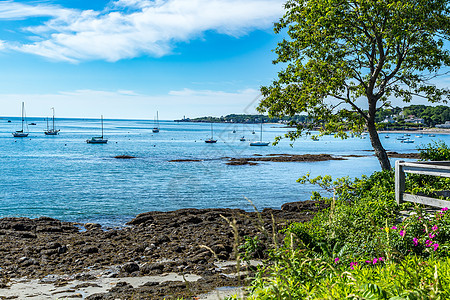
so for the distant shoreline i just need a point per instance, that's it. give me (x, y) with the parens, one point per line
(424, 131)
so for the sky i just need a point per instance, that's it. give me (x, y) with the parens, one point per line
(128, 59)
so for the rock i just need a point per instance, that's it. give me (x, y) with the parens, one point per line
(130, 267)
(90, 250)
(142, 218)
(92, 226)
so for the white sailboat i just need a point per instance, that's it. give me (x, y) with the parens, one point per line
(52, 131)
(98, 139)
(260, 142)
(156, 128)
(211, 140)
(21, 133)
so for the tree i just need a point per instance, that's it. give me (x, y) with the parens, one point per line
(339, 52)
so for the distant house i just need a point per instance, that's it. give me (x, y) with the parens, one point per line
(389, 119)
(445, 125)
(414, 120)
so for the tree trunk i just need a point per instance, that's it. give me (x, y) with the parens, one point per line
(380, 152)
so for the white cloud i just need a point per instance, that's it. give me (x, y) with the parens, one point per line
(130, 28)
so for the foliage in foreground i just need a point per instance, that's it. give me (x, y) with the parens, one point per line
(359, 249)
(309, 278)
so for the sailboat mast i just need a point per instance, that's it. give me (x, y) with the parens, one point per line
(22, 115)
(212, 134)
(53, 118)
(102, 126)
(157, 119)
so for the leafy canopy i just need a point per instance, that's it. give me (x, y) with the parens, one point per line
(351, 49)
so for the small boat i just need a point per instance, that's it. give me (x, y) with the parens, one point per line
(156, 128)
(234, 131)
(431, 135)
(32, 124)
(407, 134)
(242, 139)
(260, 142)
(9, 121)
(211, 140)
(98, 139)
(401, 138)
(386, 136)
(52, 131)
(408, 141)
(21, 133)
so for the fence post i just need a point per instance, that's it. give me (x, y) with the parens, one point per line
(399, 181)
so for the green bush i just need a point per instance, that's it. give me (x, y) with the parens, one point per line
(358, 248)
(435, 151)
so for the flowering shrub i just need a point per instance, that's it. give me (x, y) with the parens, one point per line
(357, 248)
(420, 234)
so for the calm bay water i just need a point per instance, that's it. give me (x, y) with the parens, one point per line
(66, 178)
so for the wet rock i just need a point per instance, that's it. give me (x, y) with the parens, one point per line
(92, 226)
(124, 156)
(130, 267)
(142, 218)
(90, 250)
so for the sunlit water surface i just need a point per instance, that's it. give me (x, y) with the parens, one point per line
(66, 178)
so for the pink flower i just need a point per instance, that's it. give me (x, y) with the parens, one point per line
(428, 243)
(375, 260)
(431, 235)
(402, 233)
(368, 261)
(444, 209)
(353, 265)
(434, 228)
(435, 246)
(393, 227)
(336, 260)
(381, 258)
(415, 241)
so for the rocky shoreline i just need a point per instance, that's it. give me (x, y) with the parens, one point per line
(186, 242)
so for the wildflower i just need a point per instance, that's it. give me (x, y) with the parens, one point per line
(431, 235)
(336, 260)
(381, 258)
(415, 241)
(394, 227)
(368, 261)
(435, 246)
(444, 209)
(428, 243)
(402, 233)
(434, 228)
(353, 265)
(375, 260)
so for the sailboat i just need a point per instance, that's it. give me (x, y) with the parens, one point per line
(242, 139)
(52, 131)
(21, 133)
(211, 140)
(260, 142)
(98, 139)
(156, 128)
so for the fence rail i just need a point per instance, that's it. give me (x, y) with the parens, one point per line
(434, 168)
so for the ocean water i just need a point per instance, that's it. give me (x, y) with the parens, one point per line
(64, 177)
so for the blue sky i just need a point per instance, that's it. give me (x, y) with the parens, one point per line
(129, 58)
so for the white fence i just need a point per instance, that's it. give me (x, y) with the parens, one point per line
(434, 168)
